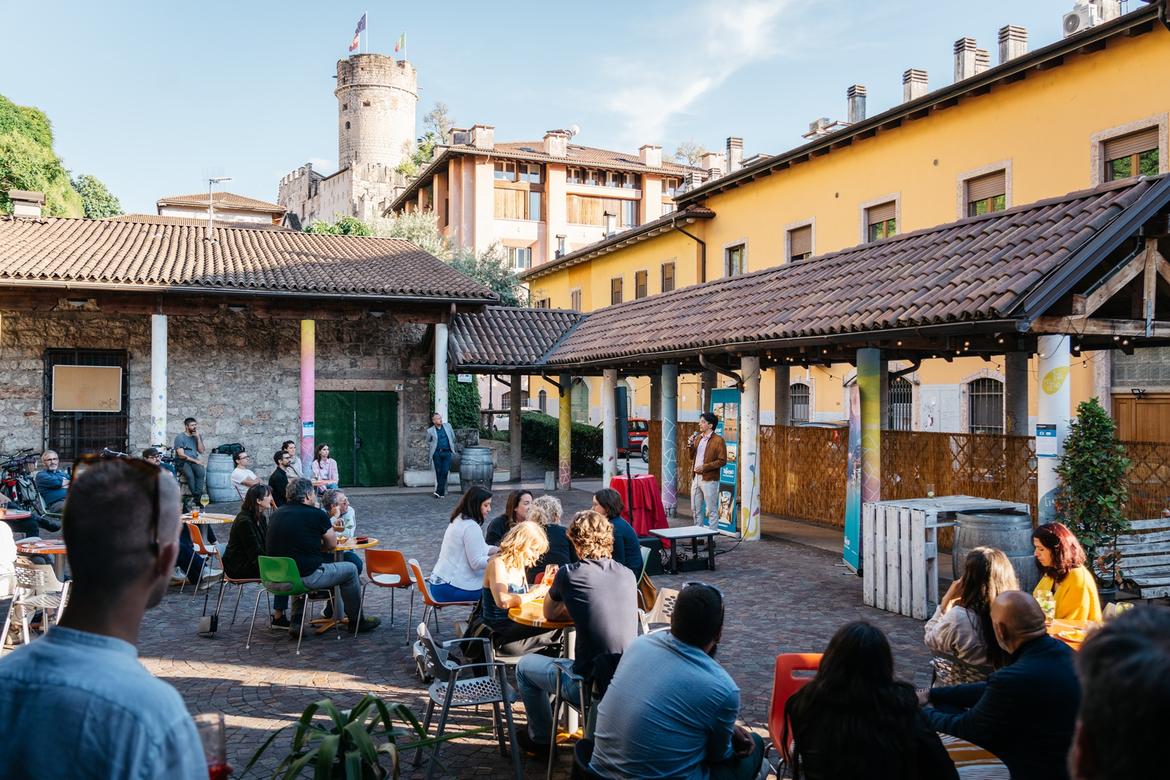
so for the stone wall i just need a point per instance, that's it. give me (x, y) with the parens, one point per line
(237, 374)
(1145, 367)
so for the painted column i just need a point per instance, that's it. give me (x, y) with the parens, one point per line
(608, 426)
(1015, 393)
(783, 395)
(1052, 421)
(308, 388)
(869, 378)
(884, 393)
(514, 428)
(441, 370)
(158, 380)
(749, 450)
(668, 439)
(565, 434)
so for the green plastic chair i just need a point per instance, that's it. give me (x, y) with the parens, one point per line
(280, 577)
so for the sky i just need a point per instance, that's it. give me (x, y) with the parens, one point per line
(155, 97)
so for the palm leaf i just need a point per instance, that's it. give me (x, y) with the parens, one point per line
(325, 755)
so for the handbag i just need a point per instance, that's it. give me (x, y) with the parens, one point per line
(647, 594)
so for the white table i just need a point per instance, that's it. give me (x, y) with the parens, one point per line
(694, 533)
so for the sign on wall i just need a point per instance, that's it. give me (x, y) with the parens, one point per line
(87, 388)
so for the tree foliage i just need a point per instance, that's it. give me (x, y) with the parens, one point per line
(690, 153)
(490, 268)
(28, 162)
(97, 202)
(462, 401)
(345, 226)
(438, 122)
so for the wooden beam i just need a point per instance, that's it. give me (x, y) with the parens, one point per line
(1114, 284)
(1149, 282)
(1159, 329)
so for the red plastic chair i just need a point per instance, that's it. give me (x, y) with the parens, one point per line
(784, 684)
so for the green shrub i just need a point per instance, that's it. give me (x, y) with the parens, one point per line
(539, 439)
(462, 401)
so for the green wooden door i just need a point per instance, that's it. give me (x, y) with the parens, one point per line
(361, 430)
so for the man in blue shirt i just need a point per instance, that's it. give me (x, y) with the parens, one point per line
(670, 710)
(52, 482)
(89, 706)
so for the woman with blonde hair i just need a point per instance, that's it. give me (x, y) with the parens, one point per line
(505, 586)
(547, 512)
(961, 626)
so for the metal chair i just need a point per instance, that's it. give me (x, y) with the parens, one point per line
(37, 588)
(429, 604)
(224, 581)
(784, 684)
(387, 569)
(658, 618)
(280, 577)
(466, 685)
(203, 549)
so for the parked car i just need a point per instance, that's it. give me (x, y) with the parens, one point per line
(639, 433)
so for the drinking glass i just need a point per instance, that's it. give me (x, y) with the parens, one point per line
(211, 733)
(930, 490)
(204, 500)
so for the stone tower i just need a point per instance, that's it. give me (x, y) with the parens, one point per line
(377, 97)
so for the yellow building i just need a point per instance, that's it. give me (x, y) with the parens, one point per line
(1062, 118)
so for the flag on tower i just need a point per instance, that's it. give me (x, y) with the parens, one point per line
(400, 44)
(357, 34)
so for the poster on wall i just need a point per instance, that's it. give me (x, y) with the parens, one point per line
(725, 405)
(851, 545)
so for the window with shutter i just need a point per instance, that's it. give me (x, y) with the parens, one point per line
(798, 399)
(734, 260)
(987, 193)
(881, 221)
(641, 284)
(575, 300)
(800, 243)
(667, 277)
(615, 290)
(1135, 154)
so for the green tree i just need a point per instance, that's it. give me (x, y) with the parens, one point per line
(28, 162)
(438, 122)
(419, 228)
(490, 268)
(690, 153)
(97, 202)
(345, 226)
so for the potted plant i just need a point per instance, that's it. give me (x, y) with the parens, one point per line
(1093, 489)
(358, 744)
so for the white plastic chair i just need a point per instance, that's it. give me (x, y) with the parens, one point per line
(658, 618)
(37, 588)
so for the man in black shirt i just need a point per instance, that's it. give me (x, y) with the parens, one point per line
(278, 480)
(600, 595)
(301, 531)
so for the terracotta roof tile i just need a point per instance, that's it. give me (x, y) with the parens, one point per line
(155, 219)
(222, 199)
(505, 336)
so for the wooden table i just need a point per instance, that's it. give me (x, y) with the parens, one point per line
(14, 514)
(208, 518)
(343, 545)
(1058, 627)
(694, 533)
(53, 547)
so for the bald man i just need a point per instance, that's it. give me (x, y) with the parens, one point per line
(1025, 712)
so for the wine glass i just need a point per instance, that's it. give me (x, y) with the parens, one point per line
(204, 500)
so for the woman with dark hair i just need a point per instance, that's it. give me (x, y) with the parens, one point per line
(246, 543)
(515, 512)
(463, 558)
(1061, 560)
(961, 626)
(324, 469)
(626, 550)
(853, 719)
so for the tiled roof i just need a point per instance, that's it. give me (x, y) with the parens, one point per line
(222, 200)
(156, 219)
(505, 336)
(977, 269)
(129, 255)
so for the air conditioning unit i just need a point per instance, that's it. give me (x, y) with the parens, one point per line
(1080, 18)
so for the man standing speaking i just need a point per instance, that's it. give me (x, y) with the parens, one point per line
(708, 456)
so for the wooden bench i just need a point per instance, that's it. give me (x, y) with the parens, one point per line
(1145, 558)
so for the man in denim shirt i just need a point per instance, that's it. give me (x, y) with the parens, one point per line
(77, 702)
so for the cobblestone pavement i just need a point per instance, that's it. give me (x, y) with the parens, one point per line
(780, 597)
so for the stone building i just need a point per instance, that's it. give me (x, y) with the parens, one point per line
(263, 335)
(377, 98)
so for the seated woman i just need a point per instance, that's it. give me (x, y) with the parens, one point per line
(961, 626)
(515, 511)
(246, 543)
(505, 586)
(463, 558)
(547, 512)
(626, 549)
(853, 719)
(324, 469)
(1061, 560)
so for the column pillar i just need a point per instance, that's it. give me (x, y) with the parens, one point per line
(608, 426)
(655, 397)
(1103, 379)
(869, 362)
(565, 433)
(783, 392)
(708, 384)
(514, 428)
(1015, 393)
(668, 444)
(158, 380)
(1055, 398)
(749, 450)
(308, 388)
(441, 369)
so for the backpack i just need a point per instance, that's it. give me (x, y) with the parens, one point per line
(229, 449)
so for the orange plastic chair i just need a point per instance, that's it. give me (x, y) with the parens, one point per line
(430, 606)
(386, 569)
(784, 684)
(206, 551)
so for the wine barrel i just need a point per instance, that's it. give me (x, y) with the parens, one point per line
(476, 468)
(1011, 533)
(219, 478)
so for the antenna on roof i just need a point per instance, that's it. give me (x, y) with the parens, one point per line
(574, 130)
(211, 182)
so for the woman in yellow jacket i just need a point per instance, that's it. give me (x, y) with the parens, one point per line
(1061, 561)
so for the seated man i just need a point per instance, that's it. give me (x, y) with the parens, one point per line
(1125, 704)
(295, 469)
(242, 475)
(52, 483)
(301, 531)
(189, 449)
(336, 505)
(601, 597)
(670, 710)
(102, 714)
(1025, 712)
(278, 479)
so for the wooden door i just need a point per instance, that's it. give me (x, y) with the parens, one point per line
(361, 429)
(1142, 419)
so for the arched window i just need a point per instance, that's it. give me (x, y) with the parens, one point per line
(542, 399)
(901, 404)
(580, 401)
(799, 400)
(985, 405)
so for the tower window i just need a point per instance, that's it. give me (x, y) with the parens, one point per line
(366, 103)
(347, 125)
(345, 106)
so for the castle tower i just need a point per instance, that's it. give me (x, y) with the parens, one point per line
(377, 97)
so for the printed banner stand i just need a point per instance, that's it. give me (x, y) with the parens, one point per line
(851, 544)
(725, 405)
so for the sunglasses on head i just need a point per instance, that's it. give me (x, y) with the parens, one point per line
(147, 475)
(709, 587)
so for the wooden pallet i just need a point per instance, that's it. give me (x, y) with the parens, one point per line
(1145, 558)
(899, 549)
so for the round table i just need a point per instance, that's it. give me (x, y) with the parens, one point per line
(54, 547)
(1064, 631)
(531, 613)
(208, 518)
(344, 544)
(15, 514)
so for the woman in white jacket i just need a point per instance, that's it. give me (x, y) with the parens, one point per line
(463, 558)
(960, 629)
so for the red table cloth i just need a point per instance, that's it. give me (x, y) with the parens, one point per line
(648, 512)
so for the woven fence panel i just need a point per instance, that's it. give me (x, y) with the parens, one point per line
(1149, 479)
(654, 438)
(684, 431)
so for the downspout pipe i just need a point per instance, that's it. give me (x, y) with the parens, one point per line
(719, 369)
(702, 248)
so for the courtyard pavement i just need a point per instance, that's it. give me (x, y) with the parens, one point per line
(780, 597)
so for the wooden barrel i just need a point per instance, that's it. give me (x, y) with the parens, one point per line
(219, 478)
(476, 468)
(1011, 533)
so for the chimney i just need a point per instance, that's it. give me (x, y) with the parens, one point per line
(712, 161)
(914, 84)
(1108, 9)
(855, 96)
(610, 223)
(26, 203)
(982, 60)
(483, 136)
(556, 143)
(734, 154)
(561, 244)
(651, 155)
(818, 127)
(1013, 42)
(965, 50)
